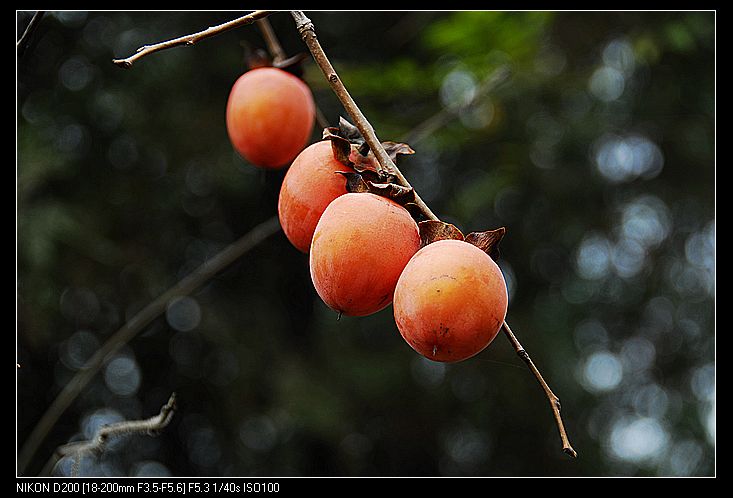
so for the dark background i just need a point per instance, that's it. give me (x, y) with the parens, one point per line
(597, 154)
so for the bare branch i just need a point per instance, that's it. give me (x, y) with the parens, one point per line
(279, 55)
(135, 325)
(386, 165)
(445, 115)
(307, 32)
(28, 33)
(192, 39)
(273, 43)
(551, 397)
(98, 443)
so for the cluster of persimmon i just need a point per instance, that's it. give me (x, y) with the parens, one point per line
(367, 246)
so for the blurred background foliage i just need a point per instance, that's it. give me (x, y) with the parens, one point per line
(596, 152)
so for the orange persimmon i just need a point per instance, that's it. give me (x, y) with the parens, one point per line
(360, 247)
(269, 116)
(309, 186)
(450, 301)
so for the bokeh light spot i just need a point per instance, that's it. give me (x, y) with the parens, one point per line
(258, 433)
(602, 372)
(593, 257)
(122, 376)
(458, 88)
(626, 158)
(76, 73)
(637, 439)
(183, 314)
(607, 83)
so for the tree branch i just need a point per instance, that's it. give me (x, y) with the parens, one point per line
(193, 38)
(135, 325)
(278, 55)
(97, 444)
(445, 115)
(551, 397)
(307, 32)
(273, 43)
(386, 165)
(28, 33)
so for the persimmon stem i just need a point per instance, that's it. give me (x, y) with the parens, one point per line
(191, 39)
(385, 164)
(308, 34)
(273, 43)
(278, 55)
(134, 326)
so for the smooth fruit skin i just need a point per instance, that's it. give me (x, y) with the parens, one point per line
(269, 116)
(450, 301)
(309, 186)
(360, 246)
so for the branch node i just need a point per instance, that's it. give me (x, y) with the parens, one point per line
(302, 23)
(306, 27)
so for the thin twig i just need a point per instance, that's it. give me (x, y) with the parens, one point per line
(98, 443)
(273, 43)
(446, 114)
(551, 396)
(135, 325)
(193, 38)
(278, 55)
(24, 40)
(321, 118)
(307, 32)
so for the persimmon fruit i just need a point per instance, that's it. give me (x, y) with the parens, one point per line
(309, 186)
(360, 246)
(450, 301)
(269, 116)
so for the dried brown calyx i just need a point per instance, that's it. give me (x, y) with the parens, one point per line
(351, 150)
(488, 241)
(258, 57)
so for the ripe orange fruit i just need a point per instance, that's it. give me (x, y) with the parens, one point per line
(269, 116)
(360, 246)
(309, 186)
(450, 301)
